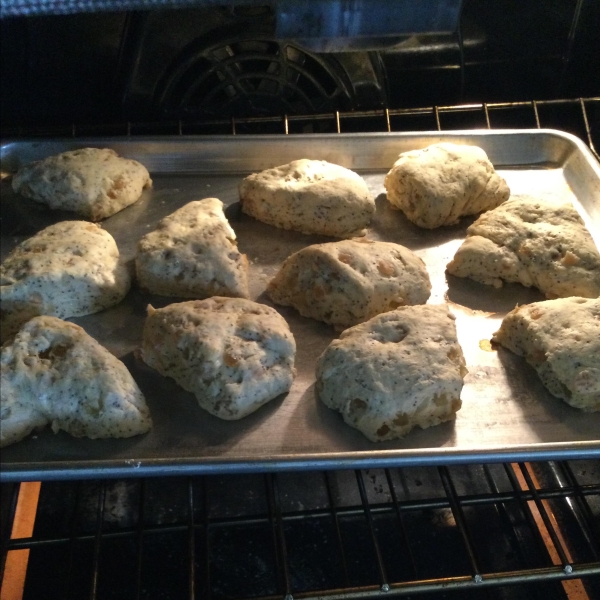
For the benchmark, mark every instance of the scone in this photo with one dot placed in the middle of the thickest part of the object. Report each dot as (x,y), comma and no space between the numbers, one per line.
(93,182)
(439,184)
(534,243)
(193,254)
(69,269)
(233,354)
(54,373)
(310,196)
(400,369)
(347,282)
(560,339)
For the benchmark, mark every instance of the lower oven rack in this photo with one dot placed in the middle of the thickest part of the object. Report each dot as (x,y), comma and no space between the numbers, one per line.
(504,530)
(526,530)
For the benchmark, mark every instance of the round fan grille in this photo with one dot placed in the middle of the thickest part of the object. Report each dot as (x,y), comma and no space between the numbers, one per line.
(253,77)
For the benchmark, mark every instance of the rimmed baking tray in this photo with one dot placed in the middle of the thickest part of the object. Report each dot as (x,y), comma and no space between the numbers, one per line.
(507,414)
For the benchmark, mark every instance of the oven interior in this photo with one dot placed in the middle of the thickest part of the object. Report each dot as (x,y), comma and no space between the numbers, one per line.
(501,531)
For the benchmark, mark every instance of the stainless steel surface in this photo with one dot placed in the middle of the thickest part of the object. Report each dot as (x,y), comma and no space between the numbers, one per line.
(507,414)
(15,8)
(340,25)
(295,18)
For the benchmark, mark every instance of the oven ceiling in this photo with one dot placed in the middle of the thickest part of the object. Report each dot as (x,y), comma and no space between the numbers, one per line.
(328,24)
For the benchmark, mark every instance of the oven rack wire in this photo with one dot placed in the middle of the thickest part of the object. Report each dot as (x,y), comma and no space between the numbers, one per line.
(541,514)
(580,116)
(527,530)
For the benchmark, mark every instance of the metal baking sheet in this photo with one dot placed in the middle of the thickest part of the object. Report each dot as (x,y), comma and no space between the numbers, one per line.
(507,414)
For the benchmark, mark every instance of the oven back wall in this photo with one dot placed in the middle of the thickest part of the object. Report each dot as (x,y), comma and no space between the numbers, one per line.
(60,68)
(156,65)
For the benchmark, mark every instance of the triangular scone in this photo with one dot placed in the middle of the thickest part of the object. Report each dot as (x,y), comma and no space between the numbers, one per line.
(93,182)
(233,354)
(193,254)
(54,373)
(345,283)
(534,243)
(560,339)
(399,370)
(69,269)
(310,196)
(439,184)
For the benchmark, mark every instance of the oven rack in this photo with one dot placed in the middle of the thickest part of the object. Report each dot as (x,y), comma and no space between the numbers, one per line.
(580,116)
(527,530)
(350,534)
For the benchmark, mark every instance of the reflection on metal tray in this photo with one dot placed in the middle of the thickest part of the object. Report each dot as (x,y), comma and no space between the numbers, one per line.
(507,414)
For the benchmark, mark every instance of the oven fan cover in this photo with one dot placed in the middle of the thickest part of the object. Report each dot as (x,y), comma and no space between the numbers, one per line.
(253,77)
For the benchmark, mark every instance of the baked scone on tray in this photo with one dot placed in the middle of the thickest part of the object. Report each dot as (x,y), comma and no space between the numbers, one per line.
(193,254)
(53,373)
(560,339)
(534,243)
(347,282)
(438,185)
(399,370)
(69,269)
(233,354)
(310,196)
(92,182)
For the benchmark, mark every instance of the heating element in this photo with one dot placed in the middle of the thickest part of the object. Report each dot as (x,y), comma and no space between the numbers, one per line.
(527,530)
